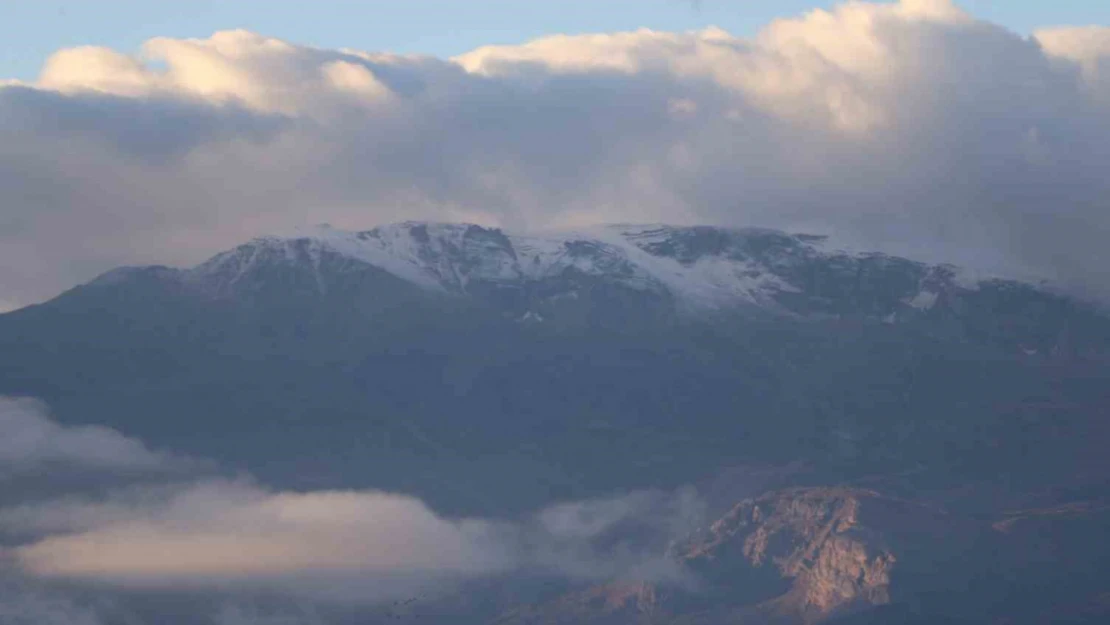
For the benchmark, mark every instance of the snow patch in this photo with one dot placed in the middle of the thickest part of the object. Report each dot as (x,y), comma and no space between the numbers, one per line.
(454,257)
(924,300)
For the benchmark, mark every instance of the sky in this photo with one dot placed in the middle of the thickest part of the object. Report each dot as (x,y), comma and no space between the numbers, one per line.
(973,133)
(32,30)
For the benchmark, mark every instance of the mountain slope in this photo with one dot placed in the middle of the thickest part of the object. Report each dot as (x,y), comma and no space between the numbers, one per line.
(629,356)
(491,374)
(621,275)
(697,267)
(853,555)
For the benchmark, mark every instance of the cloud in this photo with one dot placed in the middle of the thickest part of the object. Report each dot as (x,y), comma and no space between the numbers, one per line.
(233,530)
(622,537)
(236,66)
(910,127)
(30,441)
(176,525)
(351,546)
(1089,47)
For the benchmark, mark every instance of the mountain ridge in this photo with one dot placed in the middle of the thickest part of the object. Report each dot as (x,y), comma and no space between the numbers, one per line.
(696,268)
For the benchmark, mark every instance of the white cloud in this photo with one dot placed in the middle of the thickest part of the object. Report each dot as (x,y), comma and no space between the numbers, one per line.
(264,74)
(910,127)
(31,440)
(176,530)
(1089,47)
(359,546)
(96,69)
(234,530)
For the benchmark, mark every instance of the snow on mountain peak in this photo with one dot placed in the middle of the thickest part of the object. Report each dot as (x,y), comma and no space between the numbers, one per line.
(698,266)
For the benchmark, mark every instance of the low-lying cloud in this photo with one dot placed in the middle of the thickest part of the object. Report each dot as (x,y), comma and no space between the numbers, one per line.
(910,127)
(360,546)
(194,530)
(31,442)
(233,530)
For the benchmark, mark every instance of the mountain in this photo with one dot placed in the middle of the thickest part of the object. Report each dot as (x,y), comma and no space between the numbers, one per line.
(440,359)
(672,270)
(853,555)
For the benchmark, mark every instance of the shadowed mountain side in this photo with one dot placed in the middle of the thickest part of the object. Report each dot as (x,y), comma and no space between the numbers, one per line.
(302,344)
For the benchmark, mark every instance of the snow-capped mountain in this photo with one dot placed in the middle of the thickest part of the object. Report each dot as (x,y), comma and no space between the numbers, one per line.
(691,268)
(624,276)
(487,372)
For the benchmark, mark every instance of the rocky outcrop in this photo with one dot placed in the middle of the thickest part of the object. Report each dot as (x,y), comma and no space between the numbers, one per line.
(793,556)
(812,537)
(804,556)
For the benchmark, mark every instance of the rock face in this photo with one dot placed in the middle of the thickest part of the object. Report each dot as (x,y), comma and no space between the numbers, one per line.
(846,555)
(795,556)
(812,537)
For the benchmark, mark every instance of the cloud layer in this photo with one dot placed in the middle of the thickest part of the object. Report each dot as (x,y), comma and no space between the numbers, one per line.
(190,529)
(353,546)
(911,127)
(31,442)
